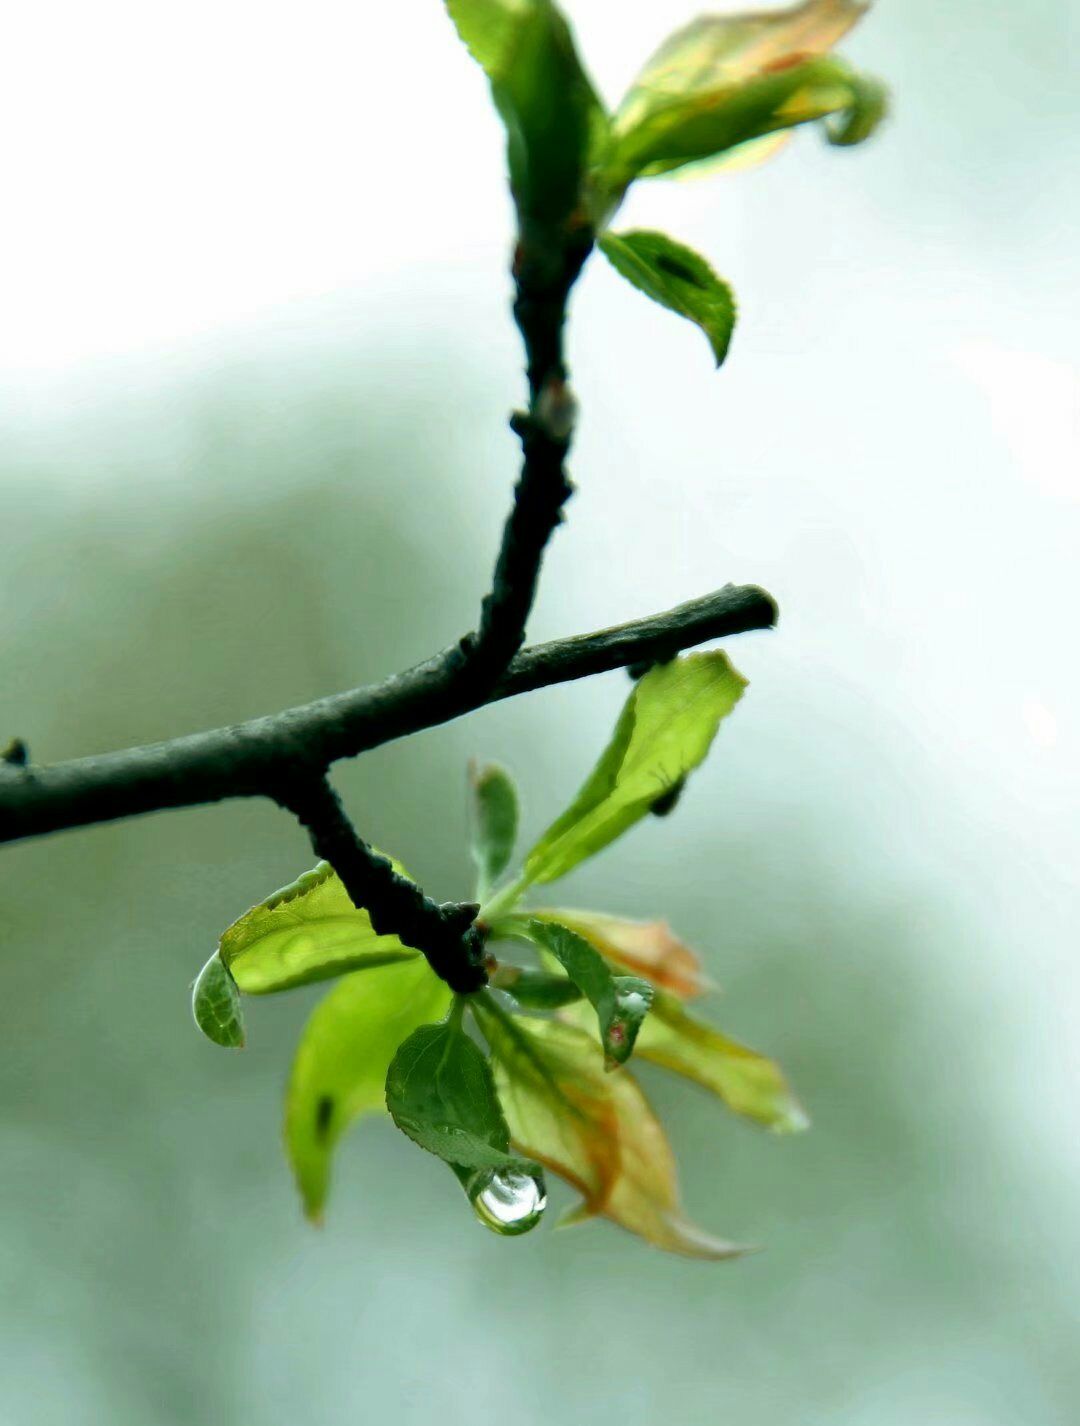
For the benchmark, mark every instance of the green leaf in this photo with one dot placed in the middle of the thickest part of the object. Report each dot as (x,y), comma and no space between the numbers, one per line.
(621,1002)
(678,278)
(726,80)
(594,1129)
(215,1003)
(489,29)
(647,948)
(309,931)
(550,109)
(495,824)
(440,1092)
(339,1072)
(663,733)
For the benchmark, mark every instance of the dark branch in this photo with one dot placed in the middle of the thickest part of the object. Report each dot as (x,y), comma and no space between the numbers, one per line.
(544,274)
(250,759)
(396,905)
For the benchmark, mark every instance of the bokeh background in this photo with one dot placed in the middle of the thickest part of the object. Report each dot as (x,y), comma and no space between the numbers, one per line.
(256,364)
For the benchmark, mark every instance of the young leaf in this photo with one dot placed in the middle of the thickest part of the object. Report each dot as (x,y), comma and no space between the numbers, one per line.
(593,1129)
(621,1002)
(549,107)
(339,1072)
(438,1086)
(678,278)
(647,948)
(749,1084)
(440,1092)
(725,80)
(308,931)
(495,823)
(664,731)
(215,1003)
(488,29)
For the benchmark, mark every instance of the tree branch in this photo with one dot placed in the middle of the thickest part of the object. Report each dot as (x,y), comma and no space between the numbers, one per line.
(544,273)
(250,759)
(397,906)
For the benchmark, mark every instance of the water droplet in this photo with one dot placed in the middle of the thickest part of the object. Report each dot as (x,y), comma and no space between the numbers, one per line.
(510,1203)
(633,1003)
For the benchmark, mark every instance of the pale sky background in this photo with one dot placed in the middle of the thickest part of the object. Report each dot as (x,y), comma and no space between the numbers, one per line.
(893,449)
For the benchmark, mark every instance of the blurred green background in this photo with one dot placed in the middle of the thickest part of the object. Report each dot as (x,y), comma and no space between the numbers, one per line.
(256,365)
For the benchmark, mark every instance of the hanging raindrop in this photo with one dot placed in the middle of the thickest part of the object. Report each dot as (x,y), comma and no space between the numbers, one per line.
(510,1202)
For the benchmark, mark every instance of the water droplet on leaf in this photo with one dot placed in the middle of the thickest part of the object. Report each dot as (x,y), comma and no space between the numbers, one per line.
(632,1002)
(633,998)
(509,1202)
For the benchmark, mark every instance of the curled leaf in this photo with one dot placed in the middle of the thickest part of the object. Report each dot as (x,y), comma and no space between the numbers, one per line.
(867,107)
(647,948)
(678,278)
(215,1003)
(339,1072)
(594,1129)
(308,931)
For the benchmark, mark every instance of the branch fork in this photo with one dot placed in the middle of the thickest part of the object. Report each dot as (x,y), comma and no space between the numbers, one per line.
(286,756)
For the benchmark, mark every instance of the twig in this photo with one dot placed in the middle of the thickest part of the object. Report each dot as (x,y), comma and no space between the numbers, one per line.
(544,273)
(250,759)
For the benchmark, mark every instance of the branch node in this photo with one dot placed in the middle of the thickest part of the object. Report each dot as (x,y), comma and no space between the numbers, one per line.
(397,906)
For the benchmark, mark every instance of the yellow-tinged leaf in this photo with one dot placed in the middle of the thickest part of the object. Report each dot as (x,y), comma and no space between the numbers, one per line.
(724,81)
(648,948)
(750,1084)
(594,1129)
(307,931)
(716,52)
(737,160)
(339,1072)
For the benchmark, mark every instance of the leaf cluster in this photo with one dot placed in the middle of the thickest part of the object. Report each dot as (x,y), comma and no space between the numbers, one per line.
(530,1074)
(723,92)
